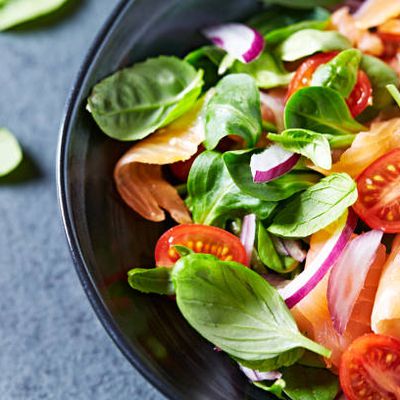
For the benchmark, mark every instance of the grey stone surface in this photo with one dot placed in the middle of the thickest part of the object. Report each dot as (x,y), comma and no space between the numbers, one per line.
(51,344)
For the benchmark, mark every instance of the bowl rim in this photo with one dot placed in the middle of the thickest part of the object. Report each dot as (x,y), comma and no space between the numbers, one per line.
(81,268)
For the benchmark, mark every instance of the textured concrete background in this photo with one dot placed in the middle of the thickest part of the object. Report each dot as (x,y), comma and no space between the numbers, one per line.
(51,344)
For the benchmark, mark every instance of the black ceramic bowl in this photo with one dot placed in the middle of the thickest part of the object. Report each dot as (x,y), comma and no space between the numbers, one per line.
(107,238)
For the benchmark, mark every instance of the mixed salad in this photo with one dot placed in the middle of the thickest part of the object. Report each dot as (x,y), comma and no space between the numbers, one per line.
(276,149)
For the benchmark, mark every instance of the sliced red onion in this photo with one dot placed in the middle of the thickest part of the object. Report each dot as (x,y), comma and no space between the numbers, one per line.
(272,163)
(348,276)
(300,286)
(240,41)
(290,247)
(276,280)
(256,376)
(248,235)
(274,101)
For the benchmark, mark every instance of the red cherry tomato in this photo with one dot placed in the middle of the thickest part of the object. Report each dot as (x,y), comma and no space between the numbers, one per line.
(201,239)
(303,75)
(378,187)
(370,368)
(359,98)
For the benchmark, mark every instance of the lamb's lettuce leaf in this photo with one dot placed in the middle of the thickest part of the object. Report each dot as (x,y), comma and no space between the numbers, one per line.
(151,280)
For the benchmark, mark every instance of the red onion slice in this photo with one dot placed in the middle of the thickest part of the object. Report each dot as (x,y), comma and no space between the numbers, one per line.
(248,235)
(300,286)
(238,40)
(272,163)
(290,247)
(256,376)
(348,276)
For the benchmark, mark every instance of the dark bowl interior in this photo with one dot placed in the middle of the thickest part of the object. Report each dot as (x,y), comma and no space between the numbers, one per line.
(107,238)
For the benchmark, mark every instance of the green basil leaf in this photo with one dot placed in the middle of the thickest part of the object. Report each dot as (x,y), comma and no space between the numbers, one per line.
(380,75)
(340,73)
(309,41)
(236,309)
(208,59)
(312,145)
(305,383)
(269,256)
(16,12)
(315,208)
(320,109)
(214,197)
(238,164)
(153,280)
(234,109)
(267,71)
(136,101)
(303,4)
(394,92)
(182,250)
(10,152)
(275,388)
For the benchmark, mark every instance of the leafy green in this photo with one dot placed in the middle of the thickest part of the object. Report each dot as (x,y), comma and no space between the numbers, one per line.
(380,75)
(394,92)
(153,280)
(10,152)
(275,388)
(208,59)
(305,383)
(312,145)
(278,23)
(238,164)
(16,12)
(182,250)
(316,207)
(268,254)
(237,310)
(320,109)
(340,73)
(267,71)
(303,4)
(136,101)
(309,41)
(234,109)
(213,195)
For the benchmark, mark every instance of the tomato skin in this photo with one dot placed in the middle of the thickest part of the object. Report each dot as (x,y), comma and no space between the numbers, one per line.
(201,239)
(369,368)
(181,169)
(359,98)
(378,203)
(302,77)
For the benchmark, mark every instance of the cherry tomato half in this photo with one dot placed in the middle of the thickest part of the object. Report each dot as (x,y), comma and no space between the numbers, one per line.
(370,368)
(359,98)
(378,203)
(201,239)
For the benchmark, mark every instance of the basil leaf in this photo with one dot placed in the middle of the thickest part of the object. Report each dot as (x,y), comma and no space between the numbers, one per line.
(303,4)
(16,12)
(182,250)
(214,197)
(234,109)
(340,73)
(238,164)
(10,152)
(309,41)
(380,75)
(275,388)
(312,145)
(237,310)
(269,256)
(305,383)
(136,101)
(267,71)
(394,93)
(278,23)
(208,59)
(315,208)
(320,109)
(153,280)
